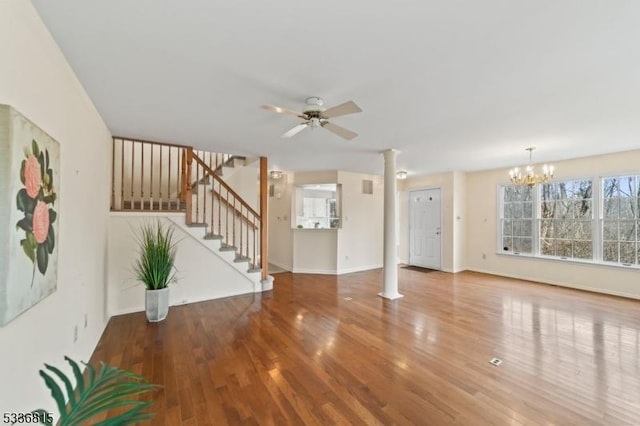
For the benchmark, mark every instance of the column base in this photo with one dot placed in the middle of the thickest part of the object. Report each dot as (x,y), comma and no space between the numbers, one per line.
(391,296)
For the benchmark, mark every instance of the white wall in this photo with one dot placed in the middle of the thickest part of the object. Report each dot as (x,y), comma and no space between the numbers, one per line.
(360,239)
(280,236)
(201,274)
(314,251)
(459,220)
(356,246)
(36,79)
(245,181)
(482,228)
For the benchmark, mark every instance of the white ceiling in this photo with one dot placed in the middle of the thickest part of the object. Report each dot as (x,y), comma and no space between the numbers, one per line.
(452,84)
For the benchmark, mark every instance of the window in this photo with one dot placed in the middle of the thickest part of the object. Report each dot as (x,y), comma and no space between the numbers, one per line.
(564,220)
(566,217)
(517,219)
(620,219)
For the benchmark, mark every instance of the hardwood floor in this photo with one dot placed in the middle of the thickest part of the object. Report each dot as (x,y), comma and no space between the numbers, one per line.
(328,350)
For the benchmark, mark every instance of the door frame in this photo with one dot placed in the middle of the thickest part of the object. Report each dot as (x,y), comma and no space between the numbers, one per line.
(426,188)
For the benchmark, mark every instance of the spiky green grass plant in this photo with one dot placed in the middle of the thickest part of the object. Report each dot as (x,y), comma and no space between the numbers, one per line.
(157,252)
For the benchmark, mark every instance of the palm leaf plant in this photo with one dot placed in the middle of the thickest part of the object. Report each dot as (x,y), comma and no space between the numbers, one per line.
(103,390)
(155,265)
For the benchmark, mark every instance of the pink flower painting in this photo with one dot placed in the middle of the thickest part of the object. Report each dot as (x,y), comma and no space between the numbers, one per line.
(36,201)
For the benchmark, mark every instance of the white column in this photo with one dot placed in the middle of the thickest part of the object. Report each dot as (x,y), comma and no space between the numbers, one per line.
(390,280)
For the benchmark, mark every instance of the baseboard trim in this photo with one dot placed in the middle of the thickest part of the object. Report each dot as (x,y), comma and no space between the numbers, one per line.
(559,284)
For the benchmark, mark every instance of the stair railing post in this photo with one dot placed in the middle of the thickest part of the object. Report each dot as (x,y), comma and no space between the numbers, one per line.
(264,258)
(186,184)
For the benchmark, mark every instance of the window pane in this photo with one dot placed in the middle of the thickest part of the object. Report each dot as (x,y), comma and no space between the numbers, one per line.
(546,247)
(547,209)
(610,187)
(611,208)
(563,229)
(582,209)
(522,245)
(526,228)
(583,249)
(507,244)
(610,230)
(620,224)
(507,227)
(627,231)
(563,248)
(517,210)
(610,251)
(546,228)
(508,210)
(627,208)
(628,253)
(582,231)
(566,212)
(516,232)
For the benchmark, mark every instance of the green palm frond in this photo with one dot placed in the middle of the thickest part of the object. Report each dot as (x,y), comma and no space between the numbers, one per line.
(157,252)
(103,390)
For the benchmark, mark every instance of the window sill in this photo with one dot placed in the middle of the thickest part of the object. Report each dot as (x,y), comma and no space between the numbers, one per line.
(569,260)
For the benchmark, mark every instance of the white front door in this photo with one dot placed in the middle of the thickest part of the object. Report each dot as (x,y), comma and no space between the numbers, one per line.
(424,228)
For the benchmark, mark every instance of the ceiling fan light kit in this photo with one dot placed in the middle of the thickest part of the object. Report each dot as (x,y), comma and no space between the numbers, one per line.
(316,115)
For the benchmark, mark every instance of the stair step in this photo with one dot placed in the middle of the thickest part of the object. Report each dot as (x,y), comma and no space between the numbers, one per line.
(197,225)
(240,259)
(228,248)
(229,163)
(211,236)
(254,268)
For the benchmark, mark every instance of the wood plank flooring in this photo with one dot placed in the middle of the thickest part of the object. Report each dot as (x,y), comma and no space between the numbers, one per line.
(327,350)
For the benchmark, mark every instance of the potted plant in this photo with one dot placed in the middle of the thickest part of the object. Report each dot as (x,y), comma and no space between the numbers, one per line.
(155,267)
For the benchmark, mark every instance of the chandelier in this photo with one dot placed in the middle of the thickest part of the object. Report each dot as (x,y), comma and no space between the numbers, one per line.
(530,177)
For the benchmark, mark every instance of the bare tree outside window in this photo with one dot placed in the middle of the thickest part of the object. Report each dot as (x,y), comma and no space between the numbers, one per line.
(566,215)
(620,219)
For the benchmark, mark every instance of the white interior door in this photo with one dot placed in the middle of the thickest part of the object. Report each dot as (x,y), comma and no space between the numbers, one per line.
(425,236)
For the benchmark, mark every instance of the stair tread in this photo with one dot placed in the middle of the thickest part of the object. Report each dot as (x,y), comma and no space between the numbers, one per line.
(211,236)
(197,225)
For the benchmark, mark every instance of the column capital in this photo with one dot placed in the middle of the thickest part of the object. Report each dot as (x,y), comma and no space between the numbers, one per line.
(389,151)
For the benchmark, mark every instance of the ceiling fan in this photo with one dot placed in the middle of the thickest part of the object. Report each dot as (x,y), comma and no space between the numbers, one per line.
(316,115)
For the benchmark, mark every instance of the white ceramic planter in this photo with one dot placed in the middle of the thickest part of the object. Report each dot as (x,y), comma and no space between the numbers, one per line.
(157,304)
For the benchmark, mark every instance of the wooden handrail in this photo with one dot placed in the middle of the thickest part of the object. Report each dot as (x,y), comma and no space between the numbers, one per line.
(174,145)
(225,186)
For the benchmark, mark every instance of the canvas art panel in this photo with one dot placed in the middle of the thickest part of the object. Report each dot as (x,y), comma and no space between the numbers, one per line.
(29,188)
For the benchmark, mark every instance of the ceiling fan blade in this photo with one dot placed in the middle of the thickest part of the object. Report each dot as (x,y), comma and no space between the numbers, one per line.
(281,110)
(340,131)
(348,107)
(300,127)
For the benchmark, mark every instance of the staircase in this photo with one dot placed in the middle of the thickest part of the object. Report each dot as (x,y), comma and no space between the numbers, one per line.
(156,177)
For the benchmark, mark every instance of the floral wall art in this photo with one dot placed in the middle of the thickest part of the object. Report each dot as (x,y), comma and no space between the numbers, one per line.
(29,187)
